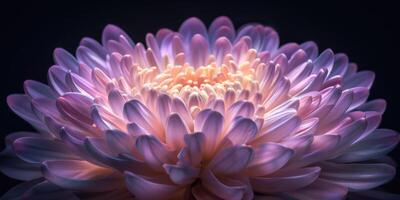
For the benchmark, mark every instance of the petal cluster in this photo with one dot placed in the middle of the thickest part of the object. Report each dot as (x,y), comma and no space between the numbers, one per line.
(201,113)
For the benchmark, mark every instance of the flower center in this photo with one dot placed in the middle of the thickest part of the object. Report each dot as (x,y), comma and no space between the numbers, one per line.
(211,79)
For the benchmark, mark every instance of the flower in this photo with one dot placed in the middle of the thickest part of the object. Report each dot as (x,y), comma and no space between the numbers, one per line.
(203,114)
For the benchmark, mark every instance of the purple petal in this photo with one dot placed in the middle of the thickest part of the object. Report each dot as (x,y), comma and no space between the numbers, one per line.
(221,26)
(268,158)
(80,175)
(241,108)
(101,154)
(377,144)
(192,26)
(57,76)
(37,150)
(360,79)
(36,89)
(377,105)
(310,48)
(320,189)
(175,130)
(357,176)
(116,101)
(12,166)
(89,57)
(94,46)
(195,143)
(198,50)
(231,160)
(22,106)
(340,65)
(285,180)
(112,32)
(218,188)
(154,152)
(64,59)
(163,107)
(149,189)
(324,60)
(135,111)
(119,142)
(222,47)
(211,128)
(181,175)
(241,131)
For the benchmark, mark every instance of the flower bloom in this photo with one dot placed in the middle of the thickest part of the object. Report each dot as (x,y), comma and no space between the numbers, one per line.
(199,114)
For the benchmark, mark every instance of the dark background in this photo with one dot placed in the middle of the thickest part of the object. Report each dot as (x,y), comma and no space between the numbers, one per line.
(366,32)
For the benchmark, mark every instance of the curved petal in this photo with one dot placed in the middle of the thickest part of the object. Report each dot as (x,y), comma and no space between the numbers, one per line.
(154,152)
(242,130)
(144,188)
(192,26)
(80,175)
(268,158)
(14,167)
(64,59)
(320,189)
(220,189)
(378,143)
(357,176)
(285,180)
(231,160)
(37,150)
(211,126)
(181,175)
(175,131)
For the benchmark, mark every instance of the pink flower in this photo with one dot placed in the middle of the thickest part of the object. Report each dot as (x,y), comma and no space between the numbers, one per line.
(199,113)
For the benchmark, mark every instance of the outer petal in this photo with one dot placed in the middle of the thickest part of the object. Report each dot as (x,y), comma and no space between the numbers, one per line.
(285,181)
(80,175)
(268,158)
(377,144)
(144,188)
(218,188)
(320,189)
(358,176)
(242,130)
(231,160)
(175,131)
(37,150)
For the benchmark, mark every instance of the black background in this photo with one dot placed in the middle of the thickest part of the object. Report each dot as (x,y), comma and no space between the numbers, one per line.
(366,32)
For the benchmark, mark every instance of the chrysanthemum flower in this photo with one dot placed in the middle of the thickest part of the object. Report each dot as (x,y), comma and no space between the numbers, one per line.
(199,114)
